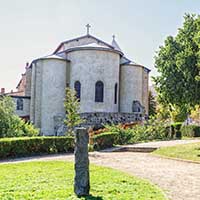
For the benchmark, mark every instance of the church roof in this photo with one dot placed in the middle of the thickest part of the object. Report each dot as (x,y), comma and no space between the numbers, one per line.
(93,45)
(130,62)
(82,37)
(53,56)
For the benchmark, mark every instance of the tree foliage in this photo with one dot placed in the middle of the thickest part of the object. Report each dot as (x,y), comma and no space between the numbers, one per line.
(72,107)
(152,104)
(10,124)
(178,64)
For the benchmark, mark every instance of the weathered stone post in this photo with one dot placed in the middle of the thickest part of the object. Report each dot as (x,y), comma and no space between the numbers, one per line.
(82,180)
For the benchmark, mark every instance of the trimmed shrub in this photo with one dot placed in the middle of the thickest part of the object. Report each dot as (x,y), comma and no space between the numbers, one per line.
(123,136)
(190,130)
(27,146)
(104,140)
(176,130)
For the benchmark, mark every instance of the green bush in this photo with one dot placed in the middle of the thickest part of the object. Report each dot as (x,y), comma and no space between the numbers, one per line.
(27,146)
(190,130)
(152,130)
(19,128)
(176,130)
(123,136)
(10,124)
(104,140)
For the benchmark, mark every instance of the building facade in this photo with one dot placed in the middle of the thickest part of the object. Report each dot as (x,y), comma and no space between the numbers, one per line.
(108,84)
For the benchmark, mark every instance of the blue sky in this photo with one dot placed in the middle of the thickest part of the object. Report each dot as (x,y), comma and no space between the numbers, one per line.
(32,28)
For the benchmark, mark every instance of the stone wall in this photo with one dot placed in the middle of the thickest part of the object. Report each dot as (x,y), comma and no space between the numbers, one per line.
(146,90)
(101,118)
(28,82)
(49,81)
(131,85)
(97,120)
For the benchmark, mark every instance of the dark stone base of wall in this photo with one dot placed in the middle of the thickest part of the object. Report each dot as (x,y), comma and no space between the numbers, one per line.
(98,120)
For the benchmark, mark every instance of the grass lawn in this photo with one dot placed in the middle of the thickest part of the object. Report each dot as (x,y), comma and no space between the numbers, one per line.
(54,180)
(185,151)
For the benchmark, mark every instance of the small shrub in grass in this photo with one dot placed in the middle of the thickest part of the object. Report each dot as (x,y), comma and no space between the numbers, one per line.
(104,140)
(190,130)
(26,146)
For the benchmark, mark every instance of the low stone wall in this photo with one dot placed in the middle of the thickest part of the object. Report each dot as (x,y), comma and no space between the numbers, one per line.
(97,120)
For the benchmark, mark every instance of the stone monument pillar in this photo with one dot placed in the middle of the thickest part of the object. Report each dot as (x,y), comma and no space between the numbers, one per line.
(82,180)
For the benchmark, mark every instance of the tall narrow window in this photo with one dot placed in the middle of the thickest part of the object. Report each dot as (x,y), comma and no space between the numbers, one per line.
(77,87)
(99,91)
(20,104)
(115,101)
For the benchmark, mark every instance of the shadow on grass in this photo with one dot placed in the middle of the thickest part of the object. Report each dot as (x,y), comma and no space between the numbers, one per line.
(91,197)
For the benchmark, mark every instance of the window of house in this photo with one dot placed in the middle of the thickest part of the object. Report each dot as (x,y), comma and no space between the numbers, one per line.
(20,104)
(99,90)
(77,87)
(115,100)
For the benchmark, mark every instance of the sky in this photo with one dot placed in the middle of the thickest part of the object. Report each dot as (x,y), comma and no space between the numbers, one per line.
(30,29)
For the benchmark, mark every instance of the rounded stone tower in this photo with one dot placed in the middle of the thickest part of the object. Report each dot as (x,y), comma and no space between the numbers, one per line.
(95,68)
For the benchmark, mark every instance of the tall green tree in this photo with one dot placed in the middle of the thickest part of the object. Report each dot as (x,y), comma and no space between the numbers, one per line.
(72,106)
(177,62)
(152,104)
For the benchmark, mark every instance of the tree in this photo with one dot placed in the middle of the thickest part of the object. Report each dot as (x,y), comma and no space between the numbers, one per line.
(152,104)
(72,107)
(178,64)
(6,113)
(10,124)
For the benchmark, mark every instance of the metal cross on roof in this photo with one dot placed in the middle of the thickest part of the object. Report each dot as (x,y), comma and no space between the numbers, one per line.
(88,28)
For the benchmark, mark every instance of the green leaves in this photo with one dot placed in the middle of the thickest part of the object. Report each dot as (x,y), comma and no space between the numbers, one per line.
(72,107)
(178,64)
(152,104)
(10,124)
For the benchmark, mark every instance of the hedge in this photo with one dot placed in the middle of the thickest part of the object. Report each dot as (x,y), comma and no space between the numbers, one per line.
(27,146)
(104,140)
(190,130)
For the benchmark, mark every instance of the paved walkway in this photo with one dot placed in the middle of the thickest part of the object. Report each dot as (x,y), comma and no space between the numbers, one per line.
(179,180)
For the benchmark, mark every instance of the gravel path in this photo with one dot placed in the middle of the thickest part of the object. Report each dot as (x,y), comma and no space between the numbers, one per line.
(179,180)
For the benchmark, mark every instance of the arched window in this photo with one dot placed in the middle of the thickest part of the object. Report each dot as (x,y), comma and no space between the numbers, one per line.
(115,100)
(77,87)
(20,104)
(99,91)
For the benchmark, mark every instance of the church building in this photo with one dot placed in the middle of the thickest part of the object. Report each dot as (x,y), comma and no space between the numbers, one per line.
(110,86)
